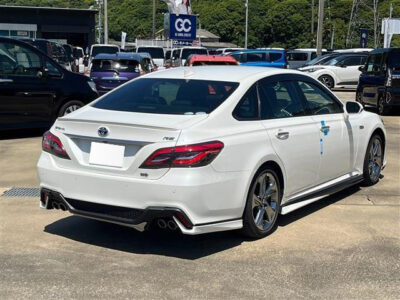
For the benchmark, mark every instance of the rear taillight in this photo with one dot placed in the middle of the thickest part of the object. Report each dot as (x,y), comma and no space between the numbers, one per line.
(53,145)
(190,156)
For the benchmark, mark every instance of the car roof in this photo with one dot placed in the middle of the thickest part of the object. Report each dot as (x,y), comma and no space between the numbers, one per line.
(121,55)
(150,47)
(199,57)
(257,51)
(383,50)
(104,45)
(221,73)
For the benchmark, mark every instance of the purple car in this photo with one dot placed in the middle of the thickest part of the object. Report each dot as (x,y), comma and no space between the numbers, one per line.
(109,71)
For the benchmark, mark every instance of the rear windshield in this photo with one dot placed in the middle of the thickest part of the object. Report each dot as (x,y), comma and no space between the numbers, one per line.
(297,56)
(187,52)
(104,49)
(108,65)
(78,53)
(168,96)
(154,52)
(394,60)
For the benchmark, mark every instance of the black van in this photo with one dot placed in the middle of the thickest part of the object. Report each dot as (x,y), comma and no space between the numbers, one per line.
(35,89)
(379,83)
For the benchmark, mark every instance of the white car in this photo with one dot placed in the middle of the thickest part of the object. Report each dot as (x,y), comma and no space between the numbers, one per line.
(208,149)
(340,71)
(156,53)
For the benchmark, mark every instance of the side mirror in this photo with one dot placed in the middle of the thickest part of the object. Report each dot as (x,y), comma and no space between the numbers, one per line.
(353,107)
(361,68)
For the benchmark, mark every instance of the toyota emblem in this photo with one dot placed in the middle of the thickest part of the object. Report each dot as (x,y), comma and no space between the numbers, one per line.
(102,131)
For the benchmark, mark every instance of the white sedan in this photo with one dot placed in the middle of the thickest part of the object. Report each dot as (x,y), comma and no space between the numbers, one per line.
(340,71)
(209,149)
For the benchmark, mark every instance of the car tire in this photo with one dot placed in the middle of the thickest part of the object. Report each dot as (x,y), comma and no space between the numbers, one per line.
(380,106)
(327,81)
(359,98)
(373,161)
(69,107)
(262,205)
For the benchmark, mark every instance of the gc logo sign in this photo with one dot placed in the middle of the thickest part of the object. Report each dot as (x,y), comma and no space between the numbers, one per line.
(183,25)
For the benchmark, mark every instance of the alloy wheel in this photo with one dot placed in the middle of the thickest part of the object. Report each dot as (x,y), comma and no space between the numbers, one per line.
(71,109)
(265,201)
(327,81)
(375,159)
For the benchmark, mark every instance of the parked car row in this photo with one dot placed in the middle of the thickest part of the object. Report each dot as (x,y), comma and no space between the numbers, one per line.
(35,89)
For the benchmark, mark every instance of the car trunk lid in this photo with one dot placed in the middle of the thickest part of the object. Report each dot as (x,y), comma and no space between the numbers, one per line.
(114,142)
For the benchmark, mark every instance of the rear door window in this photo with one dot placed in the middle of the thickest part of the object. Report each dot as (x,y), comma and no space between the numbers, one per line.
(255,57)
(168,96)
(275,56)
(279,100)
(352,61)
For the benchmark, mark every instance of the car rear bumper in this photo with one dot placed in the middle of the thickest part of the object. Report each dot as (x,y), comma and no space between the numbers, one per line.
(210,200)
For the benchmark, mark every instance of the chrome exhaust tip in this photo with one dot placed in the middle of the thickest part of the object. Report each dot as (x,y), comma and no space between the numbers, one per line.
(172,225)
(161,223)
(62,206)
(55,205)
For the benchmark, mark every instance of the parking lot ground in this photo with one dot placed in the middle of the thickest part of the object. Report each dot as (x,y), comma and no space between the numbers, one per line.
(345,246)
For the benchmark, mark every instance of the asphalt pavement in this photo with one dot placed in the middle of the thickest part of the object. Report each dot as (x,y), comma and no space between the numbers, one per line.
(346,246)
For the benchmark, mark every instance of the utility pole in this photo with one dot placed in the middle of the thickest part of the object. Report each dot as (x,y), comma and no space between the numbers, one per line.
(154,19)
(105,22)
(390,10)
(99,23)
(312,18)
(320,26)
(247,24)
(376,24)
(332,37)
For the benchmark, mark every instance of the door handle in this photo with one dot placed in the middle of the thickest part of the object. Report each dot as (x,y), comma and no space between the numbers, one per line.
(283,135)
(325,128)
(2,80)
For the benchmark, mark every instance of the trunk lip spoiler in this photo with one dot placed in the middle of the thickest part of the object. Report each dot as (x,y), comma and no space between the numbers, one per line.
(105,139)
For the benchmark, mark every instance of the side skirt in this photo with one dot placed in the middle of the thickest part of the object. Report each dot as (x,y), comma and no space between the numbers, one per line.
(312,196)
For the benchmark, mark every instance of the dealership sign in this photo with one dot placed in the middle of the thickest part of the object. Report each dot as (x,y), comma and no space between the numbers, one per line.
(180,27)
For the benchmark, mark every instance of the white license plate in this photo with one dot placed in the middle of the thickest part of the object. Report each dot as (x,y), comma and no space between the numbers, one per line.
(106,155)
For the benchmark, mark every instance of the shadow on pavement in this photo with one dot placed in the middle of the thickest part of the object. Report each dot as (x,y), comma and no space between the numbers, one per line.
(316,206)
(166,243)
(154,242)
(21,133)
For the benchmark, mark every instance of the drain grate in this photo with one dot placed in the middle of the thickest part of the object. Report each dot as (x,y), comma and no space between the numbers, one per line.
(22,192)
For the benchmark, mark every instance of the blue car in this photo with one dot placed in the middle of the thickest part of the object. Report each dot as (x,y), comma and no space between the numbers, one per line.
(261,58)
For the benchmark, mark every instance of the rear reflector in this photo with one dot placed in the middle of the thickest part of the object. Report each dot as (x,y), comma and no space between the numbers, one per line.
(53,145)
(196,155)
(184,220)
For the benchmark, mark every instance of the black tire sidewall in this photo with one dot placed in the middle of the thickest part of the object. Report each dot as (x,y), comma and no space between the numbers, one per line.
(249,228)
(384,108)
(63,108)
